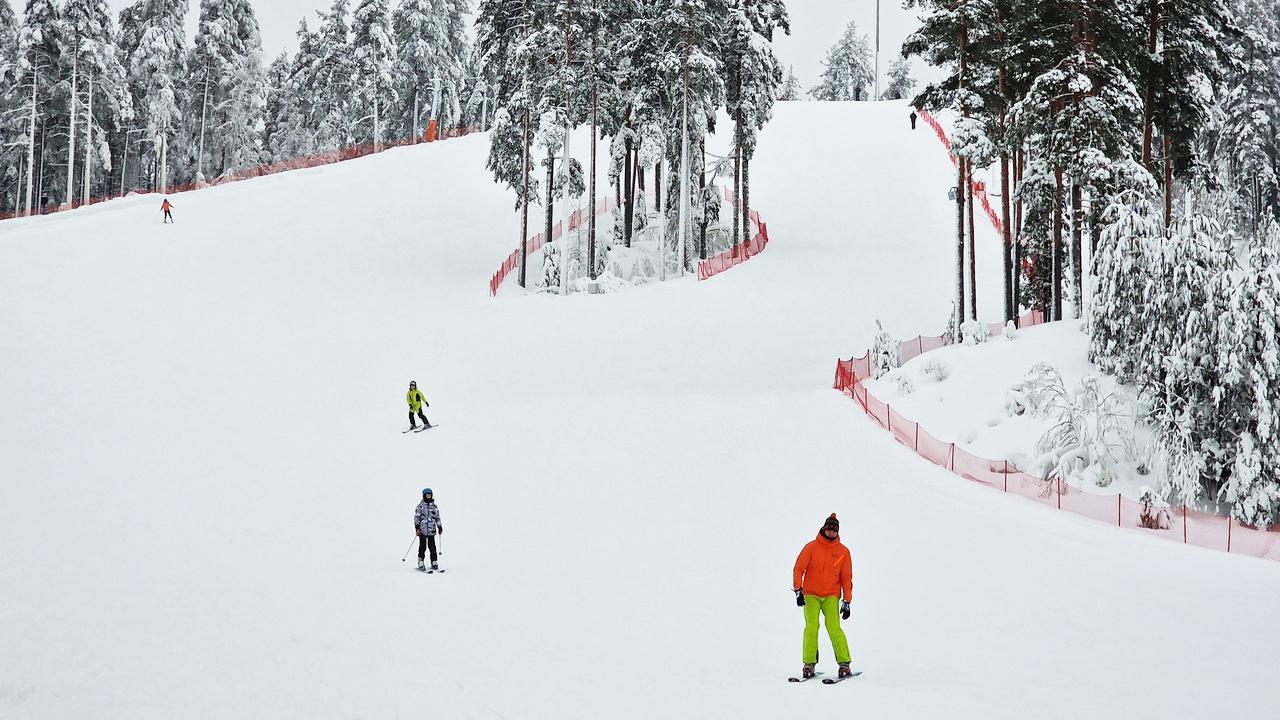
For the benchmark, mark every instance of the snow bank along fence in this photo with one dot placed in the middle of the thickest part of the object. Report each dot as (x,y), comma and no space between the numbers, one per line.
(739,253)
(708,268)
(979,190)
(298,163)
(1181,524)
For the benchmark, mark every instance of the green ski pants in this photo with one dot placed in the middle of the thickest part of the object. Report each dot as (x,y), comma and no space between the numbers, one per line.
(829,608)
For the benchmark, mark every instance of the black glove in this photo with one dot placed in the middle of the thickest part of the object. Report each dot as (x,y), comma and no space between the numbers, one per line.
(844,610)
(439,529)
(799,597)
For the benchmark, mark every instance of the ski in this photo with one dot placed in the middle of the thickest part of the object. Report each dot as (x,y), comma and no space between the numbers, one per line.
(802,679)
(833,681)
(427,428)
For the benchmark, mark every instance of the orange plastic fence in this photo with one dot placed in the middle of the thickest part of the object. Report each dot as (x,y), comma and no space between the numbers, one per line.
(739,253)
(298,163)
(708,268)
(1181,523)
(535,243)
(979,190)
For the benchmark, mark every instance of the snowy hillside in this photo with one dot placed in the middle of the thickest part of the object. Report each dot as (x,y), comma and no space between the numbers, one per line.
(206,493)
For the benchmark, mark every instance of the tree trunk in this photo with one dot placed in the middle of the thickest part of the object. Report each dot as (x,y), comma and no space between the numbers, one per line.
(959,237)
(31,143)
(737,181)
(1056,260)
(88,146)
(1168,179)
(1149,99)
(70,197)
(1077,253)
(1010,301)
(702,188)
(551,197)
(524,207)
(973,251)
(1017,241)
(657,187)
(628,191)
(591,210)
(746,198)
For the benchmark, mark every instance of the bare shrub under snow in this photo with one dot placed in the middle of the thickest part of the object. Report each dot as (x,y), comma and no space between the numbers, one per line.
(885,353)
(905,386)
(1090,434)
(975,332)
(1155,510)
(935,369)
(1010,331)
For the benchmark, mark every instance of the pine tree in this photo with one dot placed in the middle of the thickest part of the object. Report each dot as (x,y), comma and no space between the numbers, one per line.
(156,66)
(41,51)
(900,81)
(330,81)
(791,89)
(374,57)
(104,104)
(11,140)
(847,69)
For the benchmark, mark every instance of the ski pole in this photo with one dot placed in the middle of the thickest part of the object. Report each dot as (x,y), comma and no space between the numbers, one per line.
(411,544)
(440,544)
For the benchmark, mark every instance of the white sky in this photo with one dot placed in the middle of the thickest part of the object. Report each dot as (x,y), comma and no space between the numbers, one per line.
(816,24)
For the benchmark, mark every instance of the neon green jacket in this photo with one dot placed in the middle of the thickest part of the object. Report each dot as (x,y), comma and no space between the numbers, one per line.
(415,400)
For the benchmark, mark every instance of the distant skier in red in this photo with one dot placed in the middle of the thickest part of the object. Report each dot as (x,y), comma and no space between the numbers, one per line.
(167,208)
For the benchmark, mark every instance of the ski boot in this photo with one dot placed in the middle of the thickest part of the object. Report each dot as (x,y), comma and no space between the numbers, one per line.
(845,672)
(434,566)
(807,671)
(421,565)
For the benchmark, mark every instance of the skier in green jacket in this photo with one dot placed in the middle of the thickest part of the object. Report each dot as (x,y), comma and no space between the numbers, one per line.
(416,401)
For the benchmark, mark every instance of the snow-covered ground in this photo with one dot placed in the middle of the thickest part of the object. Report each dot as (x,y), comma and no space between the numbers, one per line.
(970,405)
(205,493)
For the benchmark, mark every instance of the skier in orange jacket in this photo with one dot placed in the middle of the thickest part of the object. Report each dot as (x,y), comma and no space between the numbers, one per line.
(822,576)
(166,207)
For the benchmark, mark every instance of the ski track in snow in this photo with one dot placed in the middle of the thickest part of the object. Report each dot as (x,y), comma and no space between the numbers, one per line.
(204,492)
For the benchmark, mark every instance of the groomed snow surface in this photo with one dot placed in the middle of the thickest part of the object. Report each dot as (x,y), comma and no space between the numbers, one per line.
(205,494)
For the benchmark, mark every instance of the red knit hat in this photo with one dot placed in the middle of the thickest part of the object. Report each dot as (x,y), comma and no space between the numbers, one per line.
(832,522)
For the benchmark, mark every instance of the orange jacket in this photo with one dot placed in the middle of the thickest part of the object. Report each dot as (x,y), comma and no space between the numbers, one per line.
(165,205)
(824,568)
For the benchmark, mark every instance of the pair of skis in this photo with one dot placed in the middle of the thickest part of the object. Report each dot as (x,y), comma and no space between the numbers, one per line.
(825,681)
(419,429)
(429,571)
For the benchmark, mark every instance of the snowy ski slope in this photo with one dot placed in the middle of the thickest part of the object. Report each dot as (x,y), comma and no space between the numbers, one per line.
(204,493)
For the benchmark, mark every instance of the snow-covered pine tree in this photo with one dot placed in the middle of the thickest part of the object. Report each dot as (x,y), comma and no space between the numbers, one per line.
(11,145)
(848,69)
(331,81)
(156,67)
(901,84)
(277,107)
(791,89)
(1245,139)
(1133,229)
(751,83)
(1176,364)
(373,81)
(503,29)
(1248,395)
(426,71)
(299,98)
(41,50)
(104,104)
(227,90)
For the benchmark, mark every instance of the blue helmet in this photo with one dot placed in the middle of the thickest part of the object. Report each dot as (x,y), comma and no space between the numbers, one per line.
(427,491)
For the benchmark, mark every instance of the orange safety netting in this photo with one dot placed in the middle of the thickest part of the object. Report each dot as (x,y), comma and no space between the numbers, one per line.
(979,190)
(535,243)
(1181,523)
(298,163)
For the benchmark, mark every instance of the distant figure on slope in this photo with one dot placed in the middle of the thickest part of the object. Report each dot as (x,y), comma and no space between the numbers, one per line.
(416,401)
(167,208)
(426,522)
(822,575)
(913,119)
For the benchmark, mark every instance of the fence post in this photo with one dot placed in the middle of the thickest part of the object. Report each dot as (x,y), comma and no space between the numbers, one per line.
(1119,509)
(1006,476)
(888,418)
(1184,524)
(1059,493)
(1228,533)
(917,445)
(951,459)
